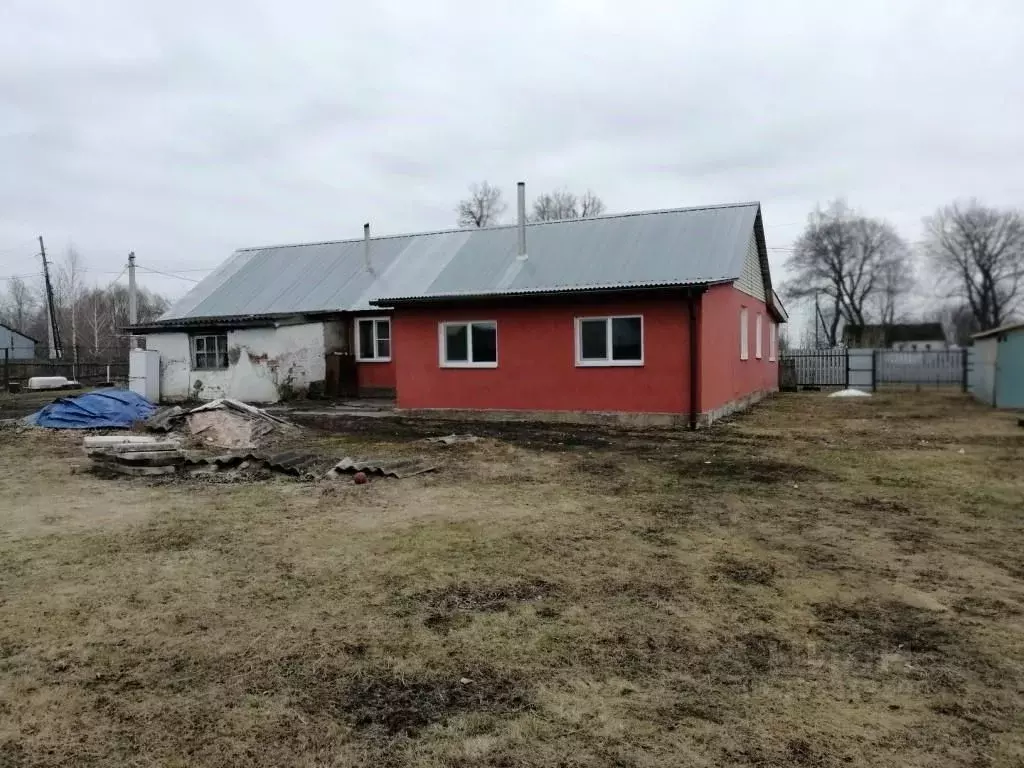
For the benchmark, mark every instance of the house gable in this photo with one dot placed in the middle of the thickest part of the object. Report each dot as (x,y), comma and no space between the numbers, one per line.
(751,280)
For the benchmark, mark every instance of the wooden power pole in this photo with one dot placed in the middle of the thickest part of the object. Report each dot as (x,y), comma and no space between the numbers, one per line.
(53,330)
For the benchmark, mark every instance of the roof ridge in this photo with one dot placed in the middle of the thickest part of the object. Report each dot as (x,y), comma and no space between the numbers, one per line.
(453,230)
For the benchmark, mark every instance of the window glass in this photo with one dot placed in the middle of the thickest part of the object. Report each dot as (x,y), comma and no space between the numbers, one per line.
(594,339)
(365,338)
(456,348)
(209,352)
(485,342)
(744,332)
(627,343)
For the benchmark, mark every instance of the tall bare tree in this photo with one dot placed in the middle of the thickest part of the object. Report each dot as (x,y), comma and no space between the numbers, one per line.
(552,206)
(484,206)
(591,205)
(979,253)
(69,290)
(563,204)
(20,303)
(853,262)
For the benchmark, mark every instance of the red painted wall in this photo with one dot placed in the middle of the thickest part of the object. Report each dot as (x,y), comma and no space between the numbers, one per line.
(724,376)
(376,375)
(537,360)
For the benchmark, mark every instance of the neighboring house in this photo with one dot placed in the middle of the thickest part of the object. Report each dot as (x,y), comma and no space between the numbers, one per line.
(18,346)
(904,337)
(999,366)
(667,313)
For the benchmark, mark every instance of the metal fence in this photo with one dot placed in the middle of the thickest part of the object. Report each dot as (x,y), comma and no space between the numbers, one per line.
(872,368)
(15,372)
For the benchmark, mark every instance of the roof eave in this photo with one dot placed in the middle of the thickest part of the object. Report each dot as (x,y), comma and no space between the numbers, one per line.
(406,301)
(267,320)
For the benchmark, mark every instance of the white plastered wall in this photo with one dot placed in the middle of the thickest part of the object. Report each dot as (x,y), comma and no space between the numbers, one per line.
(264,364)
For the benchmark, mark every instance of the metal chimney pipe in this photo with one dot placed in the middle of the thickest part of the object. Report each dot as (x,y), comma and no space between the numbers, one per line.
(366,247)
(521,205)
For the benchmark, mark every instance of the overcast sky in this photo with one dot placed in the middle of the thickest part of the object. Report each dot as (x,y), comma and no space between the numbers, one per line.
(184,130)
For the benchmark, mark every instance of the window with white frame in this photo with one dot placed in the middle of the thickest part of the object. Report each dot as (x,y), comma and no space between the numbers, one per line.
(373,339)
(773,341)
(757,341)
(210,352)
(744,334)
(610,340)
(472,344)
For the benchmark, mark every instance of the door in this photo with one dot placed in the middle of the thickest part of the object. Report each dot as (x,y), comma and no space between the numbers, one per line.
(341,376)
(1010,370)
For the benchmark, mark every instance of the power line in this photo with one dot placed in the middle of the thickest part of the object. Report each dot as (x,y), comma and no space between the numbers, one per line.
(167,274)
(111,283)
(196,269)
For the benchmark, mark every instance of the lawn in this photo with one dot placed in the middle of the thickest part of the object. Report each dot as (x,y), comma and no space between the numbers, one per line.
(816,583)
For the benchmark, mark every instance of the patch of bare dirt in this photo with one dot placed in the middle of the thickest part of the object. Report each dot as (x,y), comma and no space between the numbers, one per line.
(485,599)
(395,704)
(867,628)
(746,571)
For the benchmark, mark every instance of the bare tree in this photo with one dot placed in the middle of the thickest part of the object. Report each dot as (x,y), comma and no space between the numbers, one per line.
(591,205)
(552,206)
(958,323)
(563,204)
(69,291)
(852,261)
(979,253)
(484,206)
(96,318)
(20,303)
(896,281)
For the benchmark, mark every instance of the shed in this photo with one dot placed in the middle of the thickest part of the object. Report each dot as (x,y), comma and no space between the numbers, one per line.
(16,345)
(999,366)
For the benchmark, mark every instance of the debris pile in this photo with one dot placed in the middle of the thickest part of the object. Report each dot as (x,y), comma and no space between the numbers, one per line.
(182,439)
(452,439)
(223,423)
(398,468)
(145,455)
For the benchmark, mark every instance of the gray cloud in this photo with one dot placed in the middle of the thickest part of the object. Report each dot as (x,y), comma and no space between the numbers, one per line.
(184,130)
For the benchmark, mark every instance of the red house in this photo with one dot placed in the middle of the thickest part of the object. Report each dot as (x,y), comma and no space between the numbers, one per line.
(660,317)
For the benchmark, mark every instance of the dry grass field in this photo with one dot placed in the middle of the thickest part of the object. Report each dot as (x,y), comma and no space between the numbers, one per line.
(817,583)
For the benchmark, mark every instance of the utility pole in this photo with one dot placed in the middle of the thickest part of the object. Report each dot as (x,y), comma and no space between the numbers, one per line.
(53,332)
(133,301)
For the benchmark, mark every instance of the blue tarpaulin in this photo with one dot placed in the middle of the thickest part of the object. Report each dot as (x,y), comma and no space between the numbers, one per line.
(103,409)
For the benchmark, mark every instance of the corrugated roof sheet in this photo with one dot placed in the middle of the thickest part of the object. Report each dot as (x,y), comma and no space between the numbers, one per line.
(1009,328)
(671,247)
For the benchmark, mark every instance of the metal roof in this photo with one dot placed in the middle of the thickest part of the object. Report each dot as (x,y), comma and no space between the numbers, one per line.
(682,246)
(1008,328)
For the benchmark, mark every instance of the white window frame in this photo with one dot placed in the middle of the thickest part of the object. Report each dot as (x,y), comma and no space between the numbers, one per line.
(607,362)
(758,346)
(361,357)
(442,349)
(744,334)
(773,341)
(216,352)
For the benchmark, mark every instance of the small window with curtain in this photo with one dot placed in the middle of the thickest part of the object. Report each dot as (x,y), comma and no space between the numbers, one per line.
(471,344)
(744,335)
(373,339)
(773,341)
(604,341)
(210,352)
(759,330)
